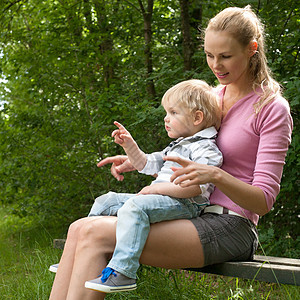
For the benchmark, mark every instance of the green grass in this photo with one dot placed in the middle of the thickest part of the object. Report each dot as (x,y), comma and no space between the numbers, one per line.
(26,253)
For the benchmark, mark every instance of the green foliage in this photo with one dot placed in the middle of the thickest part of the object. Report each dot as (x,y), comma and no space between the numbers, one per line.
(283,54)
(271,245)
(73,67)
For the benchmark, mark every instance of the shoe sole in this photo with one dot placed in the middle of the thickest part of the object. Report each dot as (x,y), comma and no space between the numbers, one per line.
(52,269)
(109,289)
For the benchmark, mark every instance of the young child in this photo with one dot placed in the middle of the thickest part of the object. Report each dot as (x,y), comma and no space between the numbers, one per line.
(192,116)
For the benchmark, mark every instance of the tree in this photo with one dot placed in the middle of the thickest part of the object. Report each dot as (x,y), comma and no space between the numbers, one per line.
(189,21)
(147,16)
(73,67)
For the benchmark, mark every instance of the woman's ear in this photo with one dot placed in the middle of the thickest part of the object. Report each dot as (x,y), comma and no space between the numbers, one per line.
(198,117)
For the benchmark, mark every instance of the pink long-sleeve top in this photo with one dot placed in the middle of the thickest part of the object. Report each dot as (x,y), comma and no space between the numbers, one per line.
(254,148)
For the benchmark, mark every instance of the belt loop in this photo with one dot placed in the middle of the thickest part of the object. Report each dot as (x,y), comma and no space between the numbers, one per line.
(225,210)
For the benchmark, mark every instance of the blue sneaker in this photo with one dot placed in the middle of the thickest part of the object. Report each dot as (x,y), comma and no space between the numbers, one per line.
(111,281)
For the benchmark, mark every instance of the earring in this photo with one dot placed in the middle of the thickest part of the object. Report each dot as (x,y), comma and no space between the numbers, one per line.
(254,46)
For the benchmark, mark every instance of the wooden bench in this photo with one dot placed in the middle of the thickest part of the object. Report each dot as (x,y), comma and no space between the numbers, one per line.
(262,268)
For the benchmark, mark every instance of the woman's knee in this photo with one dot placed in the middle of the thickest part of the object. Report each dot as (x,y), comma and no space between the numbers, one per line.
(98,232)
(76,226)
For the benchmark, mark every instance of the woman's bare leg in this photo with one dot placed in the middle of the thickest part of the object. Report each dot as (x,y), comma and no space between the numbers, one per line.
(63,276)
(171,244)
(95,245)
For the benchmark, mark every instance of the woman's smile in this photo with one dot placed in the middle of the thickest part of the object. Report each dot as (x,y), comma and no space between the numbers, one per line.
(222,75)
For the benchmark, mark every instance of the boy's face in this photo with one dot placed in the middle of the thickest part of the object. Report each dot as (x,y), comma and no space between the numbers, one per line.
(179,120)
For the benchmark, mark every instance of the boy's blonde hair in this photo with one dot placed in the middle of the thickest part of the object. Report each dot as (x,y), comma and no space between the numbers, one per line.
(196,95)
(245,27)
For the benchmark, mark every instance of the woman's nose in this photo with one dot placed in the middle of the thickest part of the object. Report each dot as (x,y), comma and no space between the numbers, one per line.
(216,63)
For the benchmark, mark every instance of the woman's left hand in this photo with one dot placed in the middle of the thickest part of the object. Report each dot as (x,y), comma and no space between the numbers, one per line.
(191,172)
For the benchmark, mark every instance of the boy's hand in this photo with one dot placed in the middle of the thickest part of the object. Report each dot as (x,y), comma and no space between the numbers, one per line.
(161,188)
(150,189)
(137,157)
(122,136)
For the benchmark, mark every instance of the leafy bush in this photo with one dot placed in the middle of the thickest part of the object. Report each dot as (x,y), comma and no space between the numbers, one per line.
(72,68)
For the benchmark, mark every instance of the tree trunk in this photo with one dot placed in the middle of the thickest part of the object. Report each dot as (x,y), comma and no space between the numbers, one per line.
(187,46)
(147,15)
(191,19)
(106,44)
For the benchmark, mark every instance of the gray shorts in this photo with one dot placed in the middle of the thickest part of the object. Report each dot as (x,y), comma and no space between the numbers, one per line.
(226,238)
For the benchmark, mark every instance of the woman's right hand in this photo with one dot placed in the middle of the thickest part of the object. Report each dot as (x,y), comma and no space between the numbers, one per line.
(191,173)
(120,164)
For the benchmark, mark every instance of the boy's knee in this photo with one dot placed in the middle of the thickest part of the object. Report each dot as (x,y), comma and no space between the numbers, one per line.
(133,205)
(104,197)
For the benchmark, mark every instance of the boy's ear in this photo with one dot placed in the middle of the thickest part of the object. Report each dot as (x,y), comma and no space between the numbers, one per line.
(198,117)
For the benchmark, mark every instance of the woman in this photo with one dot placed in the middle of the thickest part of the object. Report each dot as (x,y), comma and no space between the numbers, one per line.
(254,137)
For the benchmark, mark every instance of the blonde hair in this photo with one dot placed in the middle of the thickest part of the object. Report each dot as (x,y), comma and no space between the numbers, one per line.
(196,95)
(245,27)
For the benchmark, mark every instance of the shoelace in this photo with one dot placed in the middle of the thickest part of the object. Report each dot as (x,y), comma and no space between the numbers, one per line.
(106,273)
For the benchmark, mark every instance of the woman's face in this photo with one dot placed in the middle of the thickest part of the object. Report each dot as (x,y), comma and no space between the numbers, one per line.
(226,57)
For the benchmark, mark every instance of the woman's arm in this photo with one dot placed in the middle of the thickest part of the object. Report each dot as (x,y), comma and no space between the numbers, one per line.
(247,196)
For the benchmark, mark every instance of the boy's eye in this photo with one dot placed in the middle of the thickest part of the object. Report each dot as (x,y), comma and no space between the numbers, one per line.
(173,112)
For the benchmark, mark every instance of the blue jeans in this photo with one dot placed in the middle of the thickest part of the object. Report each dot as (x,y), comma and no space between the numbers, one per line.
(135,213)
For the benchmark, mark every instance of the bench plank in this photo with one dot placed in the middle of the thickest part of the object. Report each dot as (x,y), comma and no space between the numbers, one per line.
(278,260)
(262,268)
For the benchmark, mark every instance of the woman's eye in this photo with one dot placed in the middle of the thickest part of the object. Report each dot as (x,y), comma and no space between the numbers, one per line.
(226,56)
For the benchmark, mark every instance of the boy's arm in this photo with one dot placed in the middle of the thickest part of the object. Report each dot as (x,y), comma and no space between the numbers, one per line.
(172,190)
(123,137)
